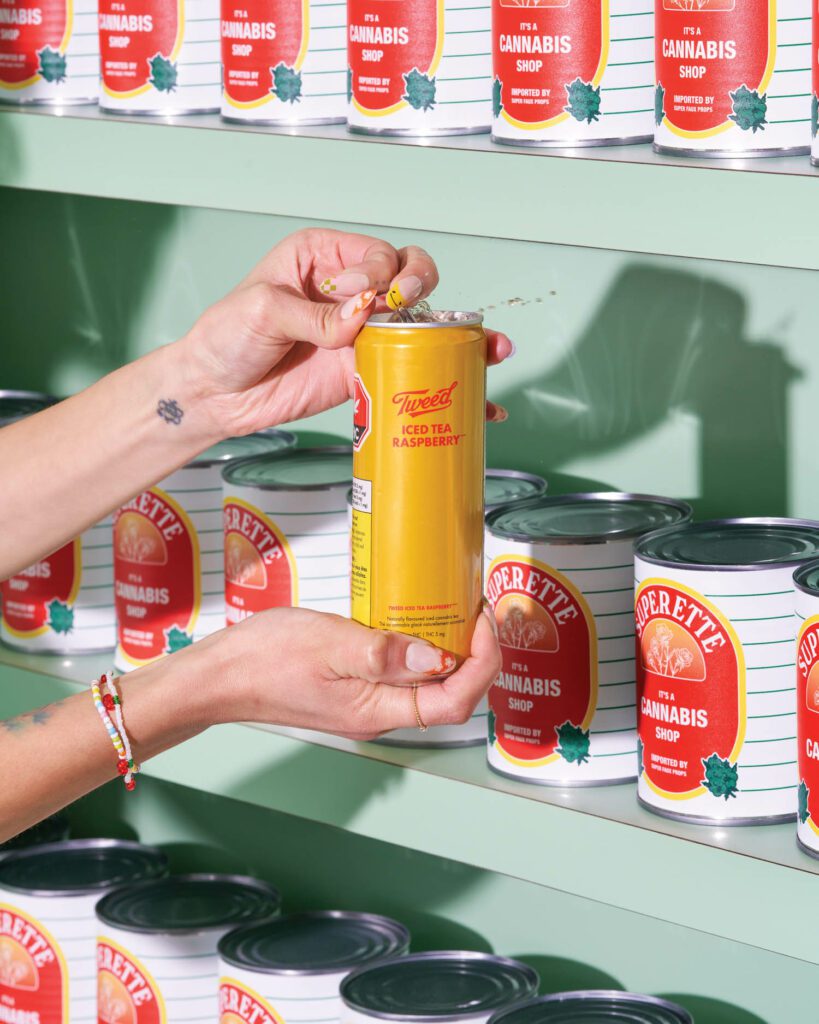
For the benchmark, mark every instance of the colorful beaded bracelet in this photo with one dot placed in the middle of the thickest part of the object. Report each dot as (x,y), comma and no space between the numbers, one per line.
(110,702)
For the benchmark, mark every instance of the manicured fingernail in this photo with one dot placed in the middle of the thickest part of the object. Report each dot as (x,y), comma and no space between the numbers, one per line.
(428,661)
(357,304)
(513,348)
(404,292)
(499,413)
(345,284)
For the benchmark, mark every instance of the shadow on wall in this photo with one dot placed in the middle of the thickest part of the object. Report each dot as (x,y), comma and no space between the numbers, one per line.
(714,1011)
(664,341)
(10,160)
(558,974)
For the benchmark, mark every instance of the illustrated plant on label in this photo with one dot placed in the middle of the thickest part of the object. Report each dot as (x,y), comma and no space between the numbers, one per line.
(176,639)
(803,795)
(52,64)
(583,101)
(659,104)
(163,73)
(814,115)
(60,616)
(573,743)
(497,97)
(749,109)
(720,776)
(420,90)
(286,83)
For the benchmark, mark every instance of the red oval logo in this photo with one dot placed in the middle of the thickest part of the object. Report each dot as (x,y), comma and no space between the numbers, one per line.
(263,48)
(33,39)
(139,43)
(41,598)
(240,1005)
(807,706)
(260,571)
(33,973)
(126,992)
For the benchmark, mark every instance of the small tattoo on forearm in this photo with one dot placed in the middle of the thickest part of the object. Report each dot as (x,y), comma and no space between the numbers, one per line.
(169,410)
(21,722)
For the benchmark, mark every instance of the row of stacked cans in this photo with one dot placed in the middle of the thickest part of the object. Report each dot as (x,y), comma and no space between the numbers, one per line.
(728,80)
(97,931)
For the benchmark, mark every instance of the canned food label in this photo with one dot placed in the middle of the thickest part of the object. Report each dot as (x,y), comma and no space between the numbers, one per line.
(807,696)
(544,699)
(33,972)
(34,35)
(394,48)
(263,48)
(240,1005)
(41,599)
(690,692)
(126,992)
(549,59)
(157,588)
(260,571)
(139,44)
(362,413)
(714,61)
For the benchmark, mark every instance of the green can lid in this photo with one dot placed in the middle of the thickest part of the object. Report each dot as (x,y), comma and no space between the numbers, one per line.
(432,987)
(806,578)
(594,1007)
(53,829)
(78,867)
(732,544)
(306,469)
(586,518)
(264,442)
(189,903)
(324,942)
(503,486)
(14,405)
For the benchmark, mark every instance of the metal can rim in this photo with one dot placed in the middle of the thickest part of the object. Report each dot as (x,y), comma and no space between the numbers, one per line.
(682,1015)
(515,474)
(21,393)
(603,538)
(472,320)
(202,463)
(803,570)
(330,449)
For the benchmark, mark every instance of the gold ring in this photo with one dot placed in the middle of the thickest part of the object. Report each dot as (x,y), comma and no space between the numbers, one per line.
(418,719)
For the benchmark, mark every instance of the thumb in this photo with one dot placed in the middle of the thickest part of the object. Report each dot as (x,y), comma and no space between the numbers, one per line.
(384,657)
(286,314)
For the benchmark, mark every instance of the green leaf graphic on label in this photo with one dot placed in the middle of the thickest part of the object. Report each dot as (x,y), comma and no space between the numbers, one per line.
(573,743)
(163,73)
(720,776)
(52,64)
(60,616)
(497,97)
(420,92)
(176,639)
(640,765)
(814,115)
(583,101)
(803,793)
(659,105)
(349,85)
(749,109)
(490,721)
(286,83)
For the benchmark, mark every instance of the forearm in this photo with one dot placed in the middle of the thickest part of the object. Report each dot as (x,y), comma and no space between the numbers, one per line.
(74,463)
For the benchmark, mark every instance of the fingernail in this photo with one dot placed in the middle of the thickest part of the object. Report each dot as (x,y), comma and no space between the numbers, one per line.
(493,622)
(499,414)
(357,304)
(514,349)
(404,292)
(428,661)
(345,284)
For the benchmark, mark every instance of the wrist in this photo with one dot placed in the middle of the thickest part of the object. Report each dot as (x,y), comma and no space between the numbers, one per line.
(180,388)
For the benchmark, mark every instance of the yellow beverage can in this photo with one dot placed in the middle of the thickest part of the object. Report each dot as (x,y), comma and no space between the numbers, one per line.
(418,477)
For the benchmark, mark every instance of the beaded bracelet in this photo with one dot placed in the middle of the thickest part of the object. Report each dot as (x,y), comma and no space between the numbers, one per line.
(110,702)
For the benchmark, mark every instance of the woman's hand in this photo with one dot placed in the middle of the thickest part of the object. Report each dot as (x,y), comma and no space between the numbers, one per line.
(278,348)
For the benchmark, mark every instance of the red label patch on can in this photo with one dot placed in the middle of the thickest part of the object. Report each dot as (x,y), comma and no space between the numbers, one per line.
(393,49)
(544,700)
(713,62)
(41,598)
(807,704)
(126,992)
(260,571)
(34,35)
(33,973)
(263,48)
(139,44)
(690,693)
(548,58)
(239,1005)
(362,411)
(157,588)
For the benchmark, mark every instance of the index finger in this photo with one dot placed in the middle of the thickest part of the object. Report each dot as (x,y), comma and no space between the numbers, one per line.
(416,278)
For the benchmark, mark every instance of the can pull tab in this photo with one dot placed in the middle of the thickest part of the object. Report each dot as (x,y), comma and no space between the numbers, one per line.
(420,313)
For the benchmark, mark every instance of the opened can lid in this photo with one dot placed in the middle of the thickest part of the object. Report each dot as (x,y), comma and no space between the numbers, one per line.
(264,442)
(503,486)
(732,544)
(324,942)
(594,1007)
(431,987)
(586,518)
(189,903)
(433,318)
(14,405)
(806,578)
(78,867)
(305,469)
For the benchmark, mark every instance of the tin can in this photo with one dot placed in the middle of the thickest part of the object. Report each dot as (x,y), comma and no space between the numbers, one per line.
(156,948)
(595,1006)
(48,931)
(159,58)
(169,555)
(419,68)
(286,534)
(290,969)
(715,671)
(418,467)
(63,604)
(560,578)
(284,63)
(806,608)
(505,486)
(450,986)
(48,52)
(814,99)
(573,73)
(732,79)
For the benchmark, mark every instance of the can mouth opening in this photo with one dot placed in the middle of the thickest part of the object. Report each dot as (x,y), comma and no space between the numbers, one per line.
(428,318)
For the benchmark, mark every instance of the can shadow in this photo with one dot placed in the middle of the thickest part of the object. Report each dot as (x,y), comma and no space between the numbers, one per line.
(10,159)
(714,1011)
(559,974)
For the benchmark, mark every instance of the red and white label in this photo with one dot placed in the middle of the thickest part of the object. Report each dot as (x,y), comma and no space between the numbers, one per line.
(156,576)
(27,596)
(807,707)
(690,687)
(29,31)
(126,993)
(239,1005)
(704,51)
(362,413)
(259,569)
(33,975)
(539,50)
(387,40)
(549,649)
(257,37)
(133,33)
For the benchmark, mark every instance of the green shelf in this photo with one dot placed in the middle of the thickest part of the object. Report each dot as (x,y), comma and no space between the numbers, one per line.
(623,198)
(592,843)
